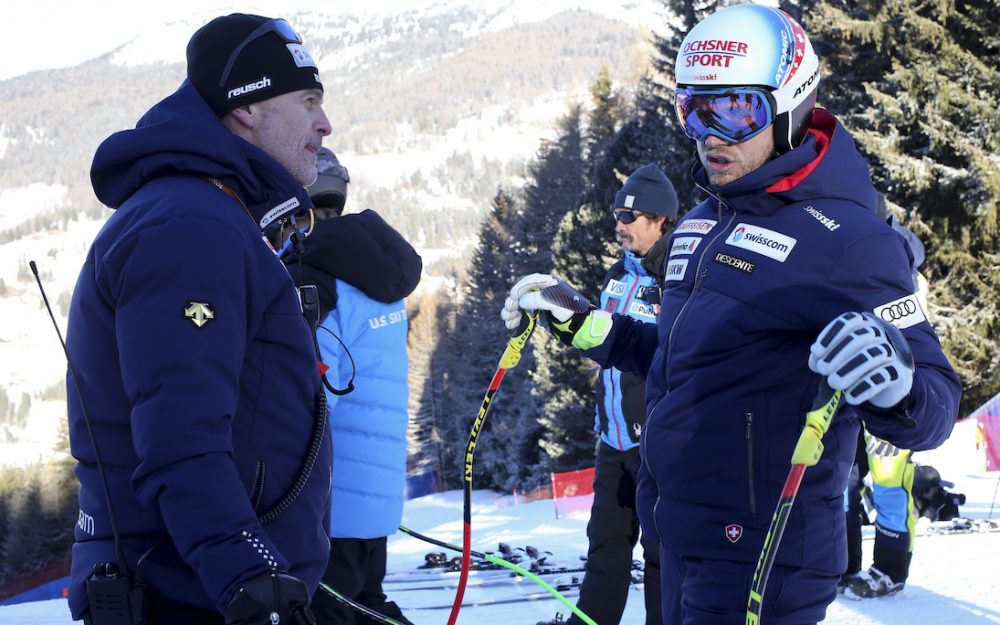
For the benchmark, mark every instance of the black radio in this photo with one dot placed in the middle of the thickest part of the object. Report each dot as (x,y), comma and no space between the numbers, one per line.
(113,596)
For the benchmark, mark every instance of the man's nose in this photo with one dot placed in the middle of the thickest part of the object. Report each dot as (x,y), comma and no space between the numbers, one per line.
(323,123)
(712,141)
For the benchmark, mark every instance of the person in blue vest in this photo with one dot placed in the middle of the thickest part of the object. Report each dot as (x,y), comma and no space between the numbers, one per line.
(195,407)
(645,211)
(791,285)
(363,269)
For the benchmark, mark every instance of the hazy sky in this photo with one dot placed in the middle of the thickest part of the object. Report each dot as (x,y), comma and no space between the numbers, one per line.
(47,34)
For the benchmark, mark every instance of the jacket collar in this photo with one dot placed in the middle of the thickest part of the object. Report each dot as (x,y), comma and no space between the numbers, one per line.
(826,164)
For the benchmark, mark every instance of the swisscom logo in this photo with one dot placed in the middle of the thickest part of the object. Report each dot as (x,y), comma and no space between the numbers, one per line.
(762,241)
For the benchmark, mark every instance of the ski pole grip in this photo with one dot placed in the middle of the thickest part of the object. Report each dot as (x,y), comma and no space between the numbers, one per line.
(809,447)
(512,353)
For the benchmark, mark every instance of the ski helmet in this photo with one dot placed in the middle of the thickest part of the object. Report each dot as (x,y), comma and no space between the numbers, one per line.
(753,46)
(330,189)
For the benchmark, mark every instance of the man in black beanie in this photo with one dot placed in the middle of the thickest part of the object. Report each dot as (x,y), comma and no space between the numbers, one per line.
(195,404)
(645,211)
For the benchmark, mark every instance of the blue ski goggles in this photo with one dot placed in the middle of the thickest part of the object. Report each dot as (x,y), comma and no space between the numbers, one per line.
(277,26)
(734,114)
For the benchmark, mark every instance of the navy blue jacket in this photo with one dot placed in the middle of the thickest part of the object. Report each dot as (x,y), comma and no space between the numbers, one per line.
(196,366)
(631,287)
(780,253)
(362,265)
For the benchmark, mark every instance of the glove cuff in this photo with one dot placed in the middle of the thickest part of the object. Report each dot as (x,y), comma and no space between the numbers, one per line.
(593,331)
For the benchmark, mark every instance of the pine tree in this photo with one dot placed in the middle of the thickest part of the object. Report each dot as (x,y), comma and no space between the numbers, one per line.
(23,544)
(554,187)
(429,317)
(507,446)
(652,133)
(918,86)
(565,380)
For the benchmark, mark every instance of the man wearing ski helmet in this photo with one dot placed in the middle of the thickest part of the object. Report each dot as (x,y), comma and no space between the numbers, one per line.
(795,280)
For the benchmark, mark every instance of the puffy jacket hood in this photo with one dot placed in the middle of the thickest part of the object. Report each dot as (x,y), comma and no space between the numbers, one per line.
(181,135)
(362,250)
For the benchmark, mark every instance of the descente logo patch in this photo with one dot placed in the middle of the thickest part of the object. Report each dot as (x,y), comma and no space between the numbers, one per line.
(762,241)
(736,263)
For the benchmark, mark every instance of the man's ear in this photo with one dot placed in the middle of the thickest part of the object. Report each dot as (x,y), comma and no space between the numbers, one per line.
(243,116)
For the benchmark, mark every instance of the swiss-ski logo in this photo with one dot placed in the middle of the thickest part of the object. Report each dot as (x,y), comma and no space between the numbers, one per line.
(734,532)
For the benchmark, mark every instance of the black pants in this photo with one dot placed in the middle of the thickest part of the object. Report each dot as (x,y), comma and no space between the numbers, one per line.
(891,556)
(355,570)
(613,531)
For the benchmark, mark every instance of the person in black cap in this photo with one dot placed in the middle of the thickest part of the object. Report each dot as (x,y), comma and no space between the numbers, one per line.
(196,410)
(645,212)
(362,268)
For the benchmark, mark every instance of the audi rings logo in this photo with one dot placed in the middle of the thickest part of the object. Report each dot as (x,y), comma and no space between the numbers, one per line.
(898,311)
(902,313)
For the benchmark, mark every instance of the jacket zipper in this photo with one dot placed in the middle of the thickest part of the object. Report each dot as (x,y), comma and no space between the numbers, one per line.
(257,489)
(670,342)
(642,457)
(617,397)
(750,485)
(701,273)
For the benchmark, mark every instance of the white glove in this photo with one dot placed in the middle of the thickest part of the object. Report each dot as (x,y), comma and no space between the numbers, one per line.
(526,295)
(865,357)
(568,315)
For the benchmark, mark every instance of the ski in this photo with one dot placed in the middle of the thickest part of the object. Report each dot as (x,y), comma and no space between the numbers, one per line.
(437,566)
(534,596)
(953,527)
(505,580)
(961,526)
(421,575)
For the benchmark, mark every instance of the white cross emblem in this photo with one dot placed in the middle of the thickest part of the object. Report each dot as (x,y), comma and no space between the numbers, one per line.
(734,532)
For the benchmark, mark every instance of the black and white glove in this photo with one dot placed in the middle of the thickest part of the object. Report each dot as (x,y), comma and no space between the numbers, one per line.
(865,357)
(271,598)
(568,314)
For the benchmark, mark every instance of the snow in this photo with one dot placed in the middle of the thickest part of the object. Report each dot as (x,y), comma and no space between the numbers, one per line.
(31,358)
(952,580)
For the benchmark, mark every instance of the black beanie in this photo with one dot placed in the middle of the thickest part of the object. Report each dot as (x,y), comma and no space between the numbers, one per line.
(648,190)
(266,67)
